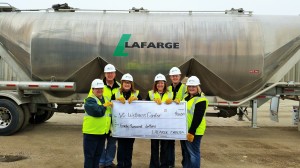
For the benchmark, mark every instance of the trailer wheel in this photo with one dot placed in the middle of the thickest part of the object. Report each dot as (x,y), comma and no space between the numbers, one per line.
(50,114)
(41,115)
(27,116)
(11,117)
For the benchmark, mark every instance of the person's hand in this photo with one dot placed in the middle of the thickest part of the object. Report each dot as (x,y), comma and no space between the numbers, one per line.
(131,99)
(108,104)
(157,101)
(177,101)
(121,99)
(190,137)
(169,101)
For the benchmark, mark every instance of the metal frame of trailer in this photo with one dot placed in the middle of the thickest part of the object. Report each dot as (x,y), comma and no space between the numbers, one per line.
(22,93)
(273,92)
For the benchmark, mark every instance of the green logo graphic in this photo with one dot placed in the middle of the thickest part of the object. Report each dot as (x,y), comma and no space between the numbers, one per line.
(119,51)
(123,44)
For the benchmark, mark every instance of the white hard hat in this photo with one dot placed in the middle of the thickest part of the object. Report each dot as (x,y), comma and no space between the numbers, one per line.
(109,68)
(174,71)
(127,77)
(160,77)
(97,83)
(193,81)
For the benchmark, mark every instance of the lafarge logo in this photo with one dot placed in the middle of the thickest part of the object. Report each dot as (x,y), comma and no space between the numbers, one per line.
(123,43)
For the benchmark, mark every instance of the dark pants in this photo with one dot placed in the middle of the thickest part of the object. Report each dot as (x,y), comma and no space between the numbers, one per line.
(124,155)
(159,159)
(171,153)
(92,147)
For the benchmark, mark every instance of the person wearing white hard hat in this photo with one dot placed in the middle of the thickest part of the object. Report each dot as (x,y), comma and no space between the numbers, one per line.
(96,124)
(110,88)
(179,90)
(125,145)
(197,104)
(159,94)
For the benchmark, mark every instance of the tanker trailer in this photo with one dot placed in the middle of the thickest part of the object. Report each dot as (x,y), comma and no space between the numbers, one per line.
(237,56)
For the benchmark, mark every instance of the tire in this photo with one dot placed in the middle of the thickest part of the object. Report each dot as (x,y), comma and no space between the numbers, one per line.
(27,116)
(41,115)
(50,113)
(11,117)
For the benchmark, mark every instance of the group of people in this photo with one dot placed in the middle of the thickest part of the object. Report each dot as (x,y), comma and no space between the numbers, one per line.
(100,147)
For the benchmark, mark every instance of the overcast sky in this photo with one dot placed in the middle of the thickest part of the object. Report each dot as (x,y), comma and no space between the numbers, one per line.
(259,7)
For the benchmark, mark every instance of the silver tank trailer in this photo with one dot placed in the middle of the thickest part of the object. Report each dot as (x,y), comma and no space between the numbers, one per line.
(233,55)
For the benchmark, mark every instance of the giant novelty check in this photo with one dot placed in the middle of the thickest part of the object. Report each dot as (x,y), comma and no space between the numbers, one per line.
(146,119)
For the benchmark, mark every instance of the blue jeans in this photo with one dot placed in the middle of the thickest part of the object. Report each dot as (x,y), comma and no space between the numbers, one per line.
(124,155)
(109,152)
(191,153)
(92,148)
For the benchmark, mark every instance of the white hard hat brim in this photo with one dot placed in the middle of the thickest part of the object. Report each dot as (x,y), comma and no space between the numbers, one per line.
(110,71)
(98,87)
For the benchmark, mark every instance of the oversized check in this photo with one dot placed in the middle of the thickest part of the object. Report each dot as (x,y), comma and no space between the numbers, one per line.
(146,119)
